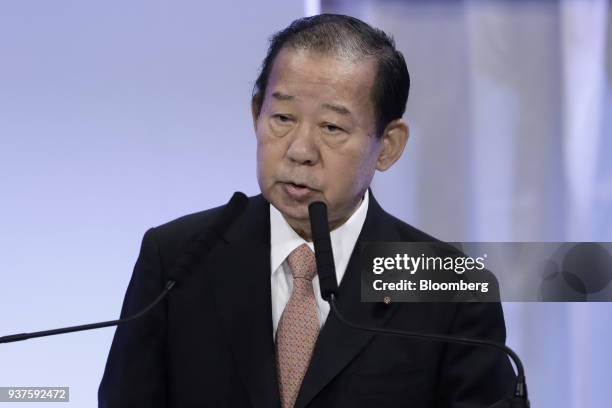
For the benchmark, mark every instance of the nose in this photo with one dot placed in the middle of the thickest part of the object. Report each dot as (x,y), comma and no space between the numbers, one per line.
(302,147)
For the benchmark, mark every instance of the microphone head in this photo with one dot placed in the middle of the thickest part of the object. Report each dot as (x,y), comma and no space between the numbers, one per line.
(326,269)
(232,210)
(200,246)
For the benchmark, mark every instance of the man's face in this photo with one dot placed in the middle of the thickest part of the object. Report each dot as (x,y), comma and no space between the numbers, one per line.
(316,135)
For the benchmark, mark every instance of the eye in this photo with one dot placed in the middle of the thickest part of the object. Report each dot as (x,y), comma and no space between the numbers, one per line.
(282,118)
(331,128)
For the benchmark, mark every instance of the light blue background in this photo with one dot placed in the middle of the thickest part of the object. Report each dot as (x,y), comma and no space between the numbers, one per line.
(118,116)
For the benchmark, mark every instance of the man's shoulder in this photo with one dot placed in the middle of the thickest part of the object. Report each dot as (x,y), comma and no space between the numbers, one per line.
(174,235)
(407,232)
(190,223)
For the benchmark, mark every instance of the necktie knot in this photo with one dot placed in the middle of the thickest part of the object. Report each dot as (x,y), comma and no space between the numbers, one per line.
(302,262)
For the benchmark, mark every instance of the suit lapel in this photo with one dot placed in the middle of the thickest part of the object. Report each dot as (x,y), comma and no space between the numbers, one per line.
(240,272)
(338,344)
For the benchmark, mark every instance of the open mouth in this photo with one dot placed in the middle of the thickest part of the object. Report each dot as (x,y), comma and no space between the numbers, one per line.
(298,185)
(297,191)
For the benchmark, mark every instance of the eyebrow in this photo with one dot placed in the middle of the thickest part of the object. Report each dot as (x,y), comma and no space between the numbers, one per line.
(336,108)
(282,97)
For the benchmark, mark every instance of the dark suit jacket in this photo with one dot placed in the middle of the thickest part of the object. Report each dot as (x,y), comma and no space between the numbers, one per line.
(211,343)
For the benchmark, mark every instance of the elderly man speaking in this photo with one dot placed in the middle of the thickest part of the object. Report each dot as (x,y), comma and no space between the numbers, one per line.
(249,327)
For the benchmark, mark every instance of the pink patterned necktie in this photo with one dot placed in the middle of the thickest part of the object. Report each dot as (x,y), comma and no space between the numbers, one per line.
(298,327)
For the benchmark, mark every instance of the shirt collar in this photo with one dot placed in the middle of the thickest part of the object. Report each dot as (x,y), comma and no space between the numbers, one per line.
(283,239)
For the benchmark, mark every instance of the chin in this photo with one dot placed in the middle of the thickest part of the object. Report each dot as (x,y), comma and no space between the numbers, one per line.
(292,209)
(288,207)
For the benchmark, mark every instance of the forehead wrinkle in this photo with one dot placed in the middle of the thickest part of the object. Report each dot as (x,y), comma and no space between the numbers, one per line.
(337,108)
(301,75)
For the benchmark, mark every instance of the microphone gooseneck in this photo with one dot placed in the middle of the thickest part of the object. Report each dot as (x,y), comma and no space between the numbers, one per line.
(193,254)
(25,336)
(520,389)
(206,240)
(329,292)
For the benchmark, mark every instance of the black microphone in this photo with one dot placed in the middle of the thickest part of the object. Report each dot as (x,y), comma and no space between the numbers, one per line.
(200,246)
(324,254)
(329,291)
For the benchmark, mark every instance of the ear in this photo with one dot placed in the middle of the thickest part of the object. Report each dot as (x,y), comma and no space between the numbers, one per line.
(254,111)
(394,140)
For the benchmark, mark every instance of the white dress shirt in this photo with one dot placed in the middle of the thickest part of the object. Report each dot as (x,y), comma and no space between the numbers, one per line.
(283,240)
